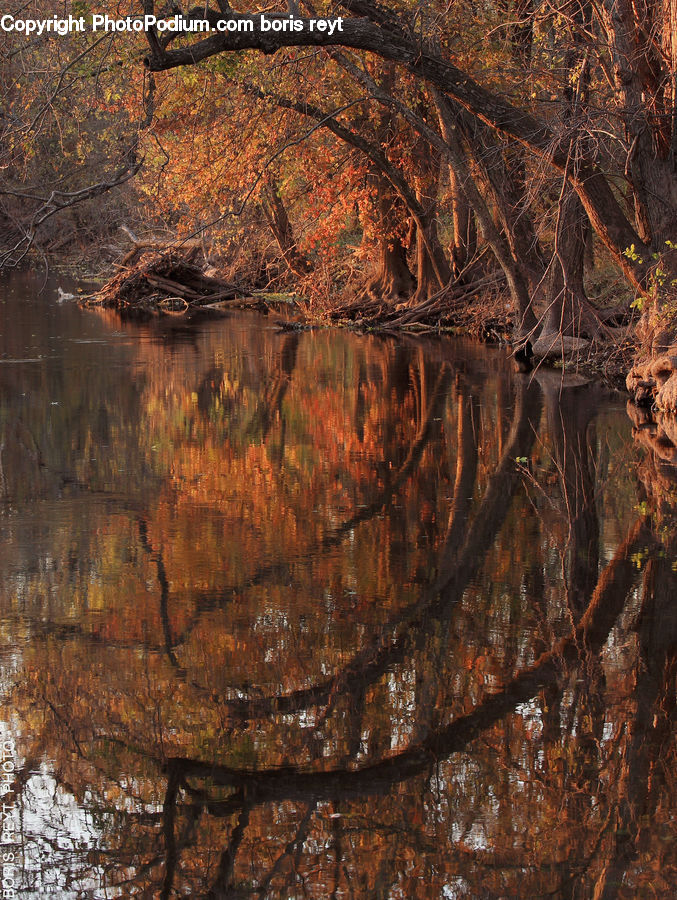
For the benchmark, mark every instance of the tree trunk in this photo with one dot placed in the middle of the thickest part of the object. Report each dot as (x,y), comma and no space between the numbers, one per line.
(566,301)
(464,240)
(644,82)
(393,280)
(506,184)
(278,221)
(519,290)
(432,268)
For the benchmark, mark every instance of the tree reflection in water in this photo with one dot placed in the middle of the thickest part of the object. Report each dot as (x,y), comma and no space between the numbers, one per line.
(327,616)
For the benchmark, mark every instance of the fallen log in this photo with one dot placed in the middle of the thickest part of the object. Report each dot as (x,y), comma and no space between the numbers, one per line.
(166,284)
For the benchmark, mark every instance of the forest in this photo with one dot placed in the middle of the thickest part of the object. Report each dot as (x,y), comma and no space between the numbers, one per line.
(505,166)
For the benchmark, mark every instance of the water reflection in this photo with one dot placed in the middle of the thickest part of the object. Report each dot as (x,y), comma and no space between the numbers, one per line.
(320,615)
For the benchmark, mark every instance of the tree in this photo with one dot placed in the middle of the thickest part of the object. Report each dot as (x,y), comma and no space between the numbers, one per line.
(66,140)
(646,136)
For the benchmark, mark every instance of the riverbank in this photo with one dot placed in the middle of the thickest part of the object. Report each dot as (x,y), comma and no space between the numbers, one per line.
(175,280)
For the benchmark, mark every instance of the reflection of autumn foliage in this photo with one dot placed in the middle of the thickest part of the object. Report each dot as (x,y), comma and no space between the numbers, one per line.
(376,630)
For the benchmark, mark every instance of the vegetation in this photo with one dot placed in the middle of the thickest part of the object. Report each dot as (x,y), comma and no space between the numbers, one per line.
(416,151)
(297,614)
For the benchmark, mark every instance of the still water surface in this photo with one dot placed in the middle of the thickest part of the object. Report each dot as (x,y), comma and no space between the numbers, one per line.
(324,615)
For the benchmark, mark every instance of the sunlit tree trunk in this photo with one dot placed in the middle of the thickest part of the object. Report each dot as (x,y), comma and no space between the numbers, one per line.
(393,280)
(281,227)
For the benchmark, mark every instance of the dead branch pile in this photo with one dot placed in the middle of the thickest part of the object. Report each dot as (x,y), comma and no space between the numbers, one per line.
(168,280)
(450,308)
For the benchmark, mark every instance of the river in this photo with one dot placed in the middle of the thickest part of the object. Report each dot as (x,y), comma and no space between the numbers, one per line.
(325,615)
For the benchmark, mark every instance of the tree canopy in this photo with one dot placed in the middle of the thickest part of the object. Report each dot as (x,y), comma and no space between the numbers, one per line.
(411,138)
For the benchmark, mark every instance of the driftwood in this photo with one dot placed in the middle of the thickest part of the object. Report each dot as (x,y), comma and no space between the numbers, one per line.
(169,279)
(449,308)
